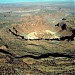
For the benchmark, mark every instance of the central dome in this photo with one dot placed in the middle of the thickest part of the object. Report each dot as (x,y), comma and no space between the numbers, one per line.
(35,28)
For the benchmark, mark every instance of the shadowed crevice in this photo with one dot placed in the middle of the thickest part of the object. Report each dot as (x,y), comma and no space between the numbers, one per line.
(37,57)
(68,38)
(47,55)
(15,34)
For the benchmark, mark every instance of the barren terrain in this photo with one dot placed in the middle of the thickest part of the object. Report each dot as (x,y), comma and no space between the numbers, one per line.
(37,39)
